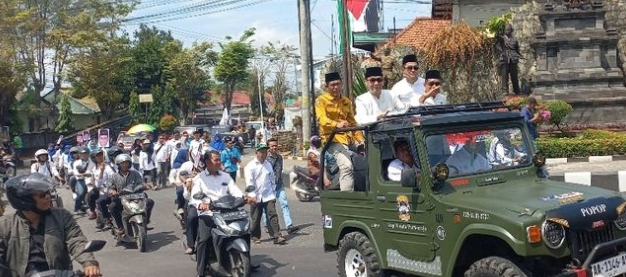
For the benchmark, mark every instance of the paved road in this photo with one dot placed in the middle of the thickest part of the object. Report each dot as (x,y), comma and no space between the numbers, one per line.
(302,256)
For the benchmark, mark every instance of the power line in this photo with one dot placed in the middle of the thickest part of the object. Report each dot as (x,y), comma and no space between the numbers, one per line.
(189,8)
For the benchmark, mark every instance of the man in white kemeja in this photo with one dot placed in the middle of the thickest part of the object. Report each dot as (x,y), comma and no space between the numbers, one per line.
(377,103)
(432,90)
(214,184)
(162,151)
(404,160)
(44,166)
(147,163)
(411,87)
(260,174)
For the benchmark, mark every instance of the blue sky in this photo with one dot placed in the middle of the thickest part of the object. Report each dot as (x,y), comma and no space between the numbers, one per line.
(275,20)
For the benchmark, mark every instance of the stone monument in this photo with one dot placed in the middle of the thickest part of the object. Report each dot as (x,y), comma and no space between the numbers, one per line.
(577,61)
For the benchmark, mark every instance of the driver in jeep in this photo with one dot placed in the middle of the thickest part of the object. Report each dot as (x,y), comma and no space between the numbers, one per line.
(404,160)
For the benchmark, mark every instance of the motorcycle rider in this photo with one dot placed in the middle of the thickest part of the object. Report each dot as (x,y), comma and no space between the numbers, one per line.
(52,235)
(122,179)
(102,203)
(215,184)
(44,166)
(82,171)
(102,177)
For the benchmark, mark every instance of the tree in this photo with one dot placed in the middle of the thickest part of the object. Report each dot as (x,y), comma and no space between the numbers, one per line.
(65,123)
(133,106)
(254,83)
(281,56)
(151,49)
(188,73)
(163,103)
(12,72)
(232,65)
(104,72)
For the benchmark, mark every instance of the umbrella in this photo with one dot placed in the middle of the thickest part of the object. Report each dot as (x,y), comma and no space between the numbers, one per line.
(141,128)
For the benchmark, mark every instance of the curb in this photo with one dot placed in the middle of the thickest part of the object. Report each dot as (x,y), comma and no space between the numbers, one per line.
(590,159)
(615,181)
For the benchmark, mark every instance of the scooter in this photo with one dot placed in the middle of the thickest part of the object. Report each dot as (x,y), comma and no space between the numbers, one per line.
(91,246)
(134,218)
(303,184)
(57,201)
(231,238)
(8,168)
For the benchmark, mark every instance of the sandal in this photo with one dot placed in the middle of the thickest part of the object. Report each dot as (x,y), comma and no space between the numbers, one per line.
(256,241)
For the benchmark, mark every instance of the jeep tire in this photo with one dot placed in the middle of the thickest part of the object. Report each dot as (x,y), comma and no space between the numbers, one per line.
(356,257)
(494,267)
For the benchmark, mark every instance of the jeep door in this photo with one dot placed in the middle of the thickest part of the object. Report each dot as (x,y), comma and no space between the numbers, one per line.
(404,213)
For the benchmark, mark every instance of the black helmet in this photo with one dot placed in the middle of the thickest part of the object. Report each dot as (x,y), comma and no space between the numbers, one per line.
(20,190)
(74,150)
(114,151)
(316,141)
(83,150)
(95,153)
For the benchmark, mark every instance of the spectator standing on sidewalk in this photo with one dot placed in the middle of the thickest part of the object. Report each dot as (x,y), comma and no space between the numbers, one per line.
(259,173)
(276,161)
(162,154)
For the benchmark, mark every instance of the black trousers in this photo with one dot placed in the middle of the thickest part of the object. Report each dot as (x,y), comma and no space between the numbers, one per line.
(116,210)
(205,225)
(103,205)
(506,70)
(92,198)
(256,211)
(192,226)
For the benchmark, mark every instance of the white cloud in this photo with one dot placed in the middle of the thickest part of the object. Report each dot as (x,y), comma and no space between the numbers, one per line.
(267,33)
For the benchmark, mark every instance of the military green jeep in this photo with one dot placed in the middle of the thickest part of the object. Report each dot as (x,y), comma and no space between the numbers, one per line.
(459,190)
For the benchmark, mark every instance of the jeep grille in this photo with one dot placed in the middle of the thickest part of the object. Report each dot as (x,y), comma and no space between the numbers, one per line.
(582,242)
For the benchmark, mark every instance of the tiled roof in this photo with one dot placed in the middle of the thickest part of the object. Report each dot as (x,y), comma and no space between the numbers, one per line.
(419,32)
(239,98)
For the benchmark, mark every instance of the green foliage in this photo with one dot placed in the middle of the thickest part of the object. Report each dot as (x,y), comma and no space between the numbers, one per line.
(233,62)
(167,123)
(358,83)
(163,103)
(151,49)
(576,147)
(601,134)
(559,110)
(496,24)
(65,123)
(133,106)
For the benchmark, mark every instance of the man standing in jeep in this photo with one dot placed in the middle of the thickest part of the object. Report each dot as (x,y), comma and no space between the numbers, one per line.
(335,111)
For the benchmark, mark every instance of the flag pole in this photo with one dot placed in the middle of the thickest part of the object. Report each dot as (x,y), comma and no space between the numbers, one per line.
(345,47)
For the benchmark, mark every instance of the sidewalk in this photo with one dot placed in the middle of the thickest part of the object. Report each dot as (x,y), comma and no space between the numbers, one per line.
(595,167)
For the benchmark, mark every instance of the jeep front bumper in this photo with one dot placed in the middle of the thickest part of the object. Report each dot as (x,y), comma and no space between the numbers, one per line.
(600,250)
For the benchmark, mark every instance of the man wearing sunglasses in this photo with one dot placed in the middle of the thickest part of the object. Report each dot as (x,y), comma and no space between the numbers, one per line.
(432,87)
(377,103)
(38,237)
(411,87)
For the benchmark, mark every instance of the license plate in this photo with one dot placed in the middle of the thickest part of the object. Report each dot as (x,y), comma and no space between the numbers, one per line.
(134,196)
(610,267)
(234,215)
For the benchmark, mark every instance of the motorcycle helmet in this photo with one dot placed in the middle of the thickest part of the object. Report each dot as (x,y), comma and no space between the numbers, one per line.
(20,190)
(316,142)
(40,152)
(123,158)
(114,151)
(74,150)
(95,153)
(83,150)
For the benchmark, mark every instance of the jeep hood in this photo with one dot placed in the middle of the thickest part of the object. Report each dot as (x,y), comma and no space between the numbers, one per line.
(574,206)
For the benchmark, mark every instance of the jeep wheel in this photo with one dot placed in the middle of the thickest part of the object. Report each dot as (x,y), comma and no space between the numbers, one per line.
(356,257)
(494,267)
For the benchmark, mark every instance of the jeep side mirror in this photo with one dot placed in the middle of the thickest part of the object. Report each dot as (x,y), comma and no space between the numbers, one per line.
(408,178)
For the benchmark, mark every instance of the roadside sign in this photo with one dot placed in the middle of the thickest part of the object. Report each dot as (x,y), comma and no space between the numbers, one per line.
(103,138)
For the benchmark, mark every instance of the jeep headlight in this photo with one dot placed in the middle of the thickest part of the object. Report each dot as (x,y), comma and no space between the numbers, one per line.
(553,234)
(620,222)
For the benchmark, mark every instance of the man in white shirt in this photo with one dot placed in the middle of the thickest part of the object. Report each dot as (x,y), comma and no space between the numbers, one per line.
(82,170)
(467,160)
(44,166)
(195,146)
(377,103)
(404,160)
(411,87)
(214,184)
(432,87)
(162,152)
(260,174)
(501,150)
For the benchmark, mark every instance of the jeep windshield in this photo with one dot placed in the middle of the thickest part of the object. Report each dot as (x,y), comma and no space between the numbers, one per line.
(478,151)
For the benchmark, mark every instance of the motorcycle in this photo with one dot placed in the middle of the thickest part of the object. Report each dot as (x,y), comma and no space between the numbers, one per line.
(134,218)
(57,201)
(8,168)
(303,184)
(231,236)
(90,247)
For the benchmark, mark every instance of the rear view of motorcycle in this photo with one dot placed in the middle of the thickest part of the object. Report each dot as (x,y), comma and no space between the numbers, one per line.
(303,184)
(134,218)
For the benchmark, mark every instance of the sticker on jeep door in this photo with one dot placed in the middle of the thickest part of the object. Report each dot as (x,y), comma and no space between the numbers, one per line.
(404,209)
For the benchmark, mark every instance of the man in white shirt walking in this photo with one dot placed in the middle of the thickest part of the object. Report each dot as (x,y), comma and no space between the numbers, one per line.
(411,87)
(260,174)
(377,103)
(162,151)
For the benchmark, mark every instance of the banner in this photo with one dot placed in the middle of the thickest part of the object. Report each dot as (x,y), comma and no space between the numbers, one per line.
(103,138)
(86,137)
(364,15)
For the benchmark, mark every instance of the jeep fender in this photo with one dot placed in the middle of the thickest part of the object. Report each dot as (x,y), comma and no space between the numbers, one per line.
(363,228)
(518,246)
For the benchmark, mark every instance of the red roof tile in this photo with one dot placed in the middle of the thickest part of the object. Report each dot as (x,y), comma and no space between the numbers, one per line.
(239,98)
(419,32)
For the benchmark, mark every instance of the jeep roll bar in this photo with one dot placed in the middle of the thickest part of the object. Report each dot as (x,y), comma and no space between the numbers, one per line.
(320,179)
(452,108)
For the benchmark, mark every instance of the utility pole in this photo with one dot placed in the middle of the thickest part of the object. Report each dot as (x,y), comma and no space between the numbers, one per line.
(304,17)
(347,57)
